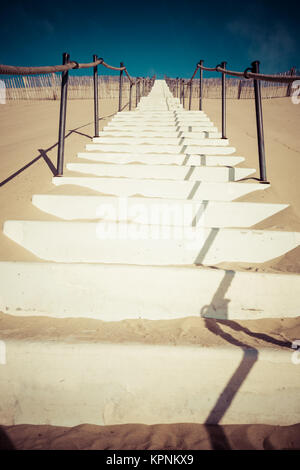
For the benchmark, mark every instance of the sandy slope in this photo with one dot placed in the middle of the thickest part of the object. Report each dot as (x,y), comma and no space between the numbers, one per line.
(27,127)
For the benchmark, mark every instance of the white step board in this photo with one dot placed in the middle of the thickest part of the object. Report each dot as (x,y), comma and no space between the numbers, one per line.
(72,383)
(157,126)
(163,148)
(93,291)
(164,159)
(162,119)
(164,122)
(161,134)
(144,210)
(188,112)
(108,242)
(118,140)
(158,114)
(167,172)
(193,190)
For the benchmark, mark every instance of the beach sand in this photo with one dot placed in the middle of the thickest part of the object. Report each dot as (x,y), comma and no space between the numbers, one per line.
(27,131)
(157,437)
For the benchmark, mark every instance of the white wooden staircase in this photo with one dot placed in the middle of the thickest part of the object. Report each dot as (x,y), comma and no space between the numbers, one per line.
(146,245)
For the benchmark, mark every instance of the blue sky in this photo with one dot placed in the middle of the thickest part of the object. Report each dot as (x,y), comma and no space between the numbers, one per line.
(150,36)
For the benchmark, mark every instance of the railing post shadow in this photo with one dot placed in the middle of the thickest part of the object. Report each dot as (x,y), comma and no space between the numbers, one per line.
(96,102)
(259,124)
(62,117)
(223,65)
(120,87)
(200,85)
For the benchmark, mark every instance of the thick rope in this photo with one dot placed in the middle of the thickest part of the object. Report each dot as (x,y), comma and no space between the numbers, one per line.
(14,70)
(247,74)
(255,76)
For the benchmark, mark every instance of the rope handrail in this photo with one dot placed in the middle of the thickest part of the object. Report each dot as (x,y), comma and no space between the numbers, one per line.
(193,76)
(16,70)
(70,65)
(248,74)
(208,69)
(251,73)
(129,77)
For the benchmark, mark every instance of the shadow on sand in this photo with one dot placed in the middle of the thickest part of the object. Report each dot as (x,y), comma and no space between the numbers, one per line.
(216,315)
(5,442)
(43,152)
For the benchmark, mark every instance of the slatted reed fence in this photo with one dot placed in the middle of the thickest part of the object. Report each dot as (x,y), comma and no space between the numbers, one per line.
(237,88)
(47,87)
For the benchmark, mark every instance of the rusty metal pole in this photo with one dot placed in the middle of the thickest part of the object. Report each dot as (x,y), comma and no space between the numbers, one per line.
(136,92)
(223,65)
(259,124)
(62,117)
(200,85)
(130,95)
(289,87)
(120,86)
(96,101)
(139,90)
(180,90)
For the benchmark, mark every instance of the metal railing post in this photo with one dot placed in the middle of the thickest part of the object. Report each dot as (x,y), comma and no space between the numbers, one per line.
(183,93)
(130,95)
(289,87)
(143,92)
(62,117)
(190,97)
(200,85)
(96,102)
(240,90)
(259,124)
(136,92)
(223,65)
(177,87)
(120,86)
